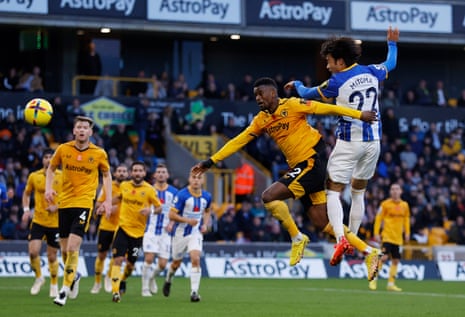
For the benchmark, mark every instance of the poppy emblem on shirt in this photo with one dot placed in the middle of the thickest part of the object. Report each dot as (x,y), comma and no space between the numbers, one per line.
(196,209)
(79,157)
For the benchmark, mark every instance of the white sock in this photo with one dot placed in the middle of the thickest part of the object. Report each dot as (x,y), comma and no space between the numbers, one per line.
(335,213)
(169,276)
(146,274)
(357,209)
(297,238)
(156,271)
(196,273)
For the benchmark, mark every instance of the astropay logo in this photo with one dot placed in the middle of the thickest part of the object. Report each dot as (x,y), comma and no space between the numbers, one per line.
(125,6)
(412,15)
(304,11)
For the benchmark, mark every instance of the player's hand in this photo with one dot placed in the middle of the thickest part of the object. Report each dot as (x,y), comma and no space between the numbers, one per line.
(290,85)
(369,116)
(26,216)
(50,196)
(52,208)
(105,207)
(393,34)
(203,228)
(146,211)
(193,222)
(201,167)
(377,238)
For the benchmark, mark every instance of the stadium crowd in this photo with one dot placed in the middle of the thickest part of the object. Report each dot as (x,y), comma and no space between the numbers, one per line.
(430,166)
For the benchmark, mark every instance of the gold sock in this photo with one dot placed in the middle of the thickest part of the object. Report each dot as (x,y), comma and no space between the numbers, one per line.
(354,240)
(280,211)
(392,273)
(115,278)
(70,267)
(98,270)
(35,265)
(53,267)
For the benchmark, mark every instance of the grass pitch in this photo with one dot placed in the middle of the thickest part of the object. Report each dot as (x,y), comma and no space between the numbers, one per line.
(245,297)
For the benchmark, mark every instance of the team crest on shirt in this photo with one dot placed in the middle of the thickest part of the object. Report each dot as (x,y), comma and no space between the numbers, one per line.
(91,159)
(284,113)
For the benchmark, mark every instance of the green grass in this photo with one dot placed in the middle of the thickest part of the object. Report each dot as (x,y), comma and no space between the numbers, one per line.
(246,297)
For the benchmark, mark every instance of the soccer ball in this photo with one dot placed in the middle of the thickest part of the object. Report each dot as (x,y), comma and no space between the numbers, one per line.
(38,112)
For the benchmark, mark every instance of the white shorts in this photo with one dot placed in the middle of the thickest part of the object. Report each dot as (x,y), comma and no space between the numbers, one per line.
(159,244)
(183,245)
(353,160)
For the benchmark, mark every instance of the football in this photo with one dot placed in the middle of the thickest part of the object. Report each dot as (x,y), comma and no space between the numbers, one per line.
(38,112)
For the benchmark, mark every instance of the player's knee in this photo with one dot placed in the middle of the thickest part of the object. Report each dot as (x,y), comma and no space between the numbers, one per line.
(359,184)
(337,187)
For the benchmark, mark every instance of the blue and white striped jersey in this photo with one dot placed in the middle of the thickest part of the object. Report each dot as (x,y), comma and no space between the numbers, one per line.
(356,87)
(156,223)
(190,206)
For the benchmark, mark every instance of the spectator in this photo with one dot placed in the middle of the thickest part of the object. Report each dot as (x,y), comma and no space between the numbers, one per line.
(141,122)
(73,110)
(180,88)
(410,97)
(390,100)
(36,84)
(390,124)
(121,142)
(408,157)
(138,88)
(461,99)
(245,181)
(245,89)
(155,134)
(11,81)
(423,95)
(457,231)
(440,97)
(155,88)
(60,125)
(89,64)
(104,86)
(231,93)
(243,219)
(227,227)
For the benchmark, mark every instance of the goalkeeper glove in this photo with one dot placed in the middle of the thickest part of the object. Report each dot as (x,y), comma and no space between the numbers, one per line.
(207,163)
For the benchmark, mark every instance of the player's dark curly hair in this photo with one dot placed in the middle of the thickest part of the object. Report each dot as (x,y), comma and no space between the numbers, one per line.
(342,47)
(267,81)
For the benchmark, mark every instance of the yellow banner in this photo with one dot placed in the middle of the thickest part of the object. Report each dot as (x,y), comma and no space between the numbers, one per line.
(201,147)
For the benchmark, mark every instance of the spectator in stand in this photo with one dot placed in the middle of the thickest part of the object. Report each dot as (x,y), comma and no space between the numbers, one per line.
(73,110)
(180,88)
(155,88)
(433,137)
(141,122)
(36,84)
(59,124)
(104,86)
(90,64)
(25,80)
(121,142)
(461,99)
(155,134)
(198,127)
(227,227)
(259,233)
(245,89)
(390,124)
(11,80)
(408,158)
(243,219)
(211,87)
(410,97)
(244,182)
(231,93)
(452,144)
(423,94)
(390,100)
(457,231)
(138,88)
(440,97)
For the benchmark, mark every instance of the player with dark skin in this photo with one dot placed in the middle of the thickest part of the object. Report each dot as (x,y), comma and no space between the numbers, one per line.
(285,120)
